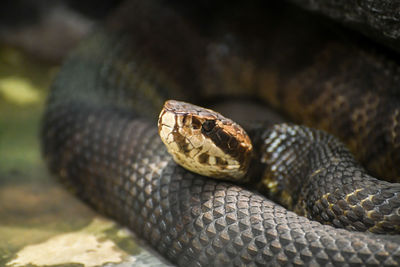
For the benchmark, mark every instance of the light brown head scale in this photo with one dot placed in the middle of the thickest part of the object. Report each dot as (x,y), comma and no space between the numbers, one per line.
(203,141)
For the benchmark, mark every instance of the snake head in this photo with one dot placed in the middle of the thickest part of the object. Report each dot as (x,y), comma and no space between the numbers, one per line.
(203,141)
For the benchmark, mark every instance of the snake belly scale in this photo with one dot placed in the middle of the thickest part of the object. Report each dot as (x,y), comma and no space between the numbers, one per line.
(100,138)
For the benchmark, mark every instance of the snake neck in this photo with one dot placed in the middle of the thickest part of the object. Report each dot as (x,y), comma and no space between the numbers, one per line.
(290,157)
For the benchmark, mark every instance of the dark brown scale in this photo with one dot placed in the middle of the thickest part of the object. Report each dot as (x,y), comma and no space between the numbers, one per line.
(223,138)
(203,157)
(221,162)
(208,125)
(220,138)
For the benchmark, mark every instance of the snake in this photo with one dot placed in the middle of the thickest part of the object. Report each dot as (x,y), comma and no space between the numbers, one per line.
(100,137)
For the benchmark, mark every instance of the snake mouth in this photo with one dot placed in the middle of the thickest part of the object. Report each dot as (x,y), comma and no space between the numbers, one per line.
(204,141)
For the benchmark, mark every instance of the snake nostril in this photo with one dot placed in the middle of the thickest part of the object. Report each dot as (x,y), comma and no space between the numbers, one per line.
(208,125)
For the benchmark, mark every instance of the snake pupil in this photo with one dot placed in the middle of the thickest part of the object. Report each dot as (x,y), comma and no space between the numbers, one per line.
(208,125)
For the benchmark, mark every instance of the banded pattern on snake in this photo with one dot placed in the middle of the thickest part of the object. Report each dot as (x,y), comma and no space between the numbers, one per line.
(100,137)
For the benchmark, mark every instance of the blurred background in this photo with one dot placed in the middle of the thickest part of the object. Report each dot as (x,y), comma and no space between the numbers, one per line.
(41,224)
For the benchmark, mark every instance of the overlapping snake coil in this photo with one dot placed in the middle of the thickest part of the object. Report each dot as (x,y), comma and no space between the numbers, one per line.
(100,135)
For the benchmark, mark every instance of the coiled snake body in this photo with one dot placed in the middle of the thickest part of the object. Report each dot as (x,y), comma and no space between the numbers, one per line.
(100,137)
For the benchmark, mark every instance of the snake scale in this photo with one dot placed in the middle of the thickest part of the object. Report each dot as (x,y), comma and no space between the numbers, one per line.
(100,137)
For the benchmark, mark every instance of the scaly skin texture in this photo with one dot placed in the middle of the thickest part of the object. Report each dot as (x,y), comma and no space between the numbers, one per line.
(205,142)
(379,19)
(314,174)
(100,134)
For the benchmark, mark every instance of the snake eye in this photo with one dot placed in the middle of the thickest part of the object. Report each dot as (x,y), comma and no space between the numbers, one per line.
(208,125)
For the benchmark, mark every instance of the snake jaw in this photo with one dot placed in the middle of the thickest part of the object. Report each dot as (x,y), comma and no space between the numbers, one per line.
(203,141)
